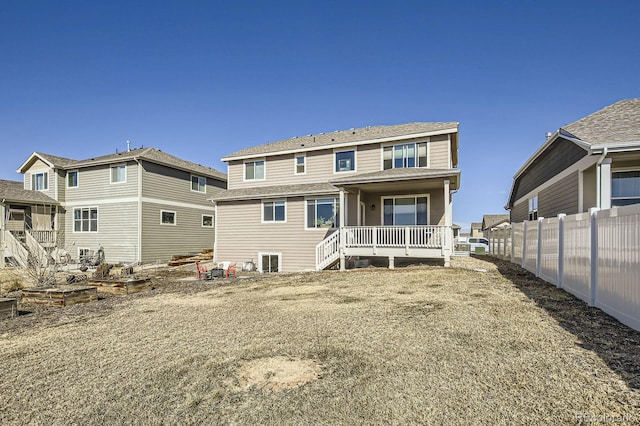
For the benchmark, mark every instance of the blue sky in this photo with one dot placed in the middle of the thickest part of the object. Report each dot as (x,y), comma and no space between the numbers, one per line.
(201,79)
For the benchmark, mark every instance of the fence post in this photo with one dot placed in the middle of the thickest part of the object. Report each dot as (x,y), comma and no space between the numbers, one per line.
(561,217)
(523,261)
(504,244)
(539,254)
(593,226)
(513,240)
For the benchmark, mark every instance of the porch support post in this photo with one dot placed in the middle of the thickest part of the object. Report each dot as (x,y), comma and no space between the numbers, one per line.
(605,184)
(358,221)
(343,265)
(448,220)
(392,262)
(2,230)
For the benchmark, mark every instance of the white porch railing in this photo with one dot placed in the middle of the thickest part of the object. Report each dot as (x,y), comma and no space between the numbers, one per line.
(421,241)
(44,238)
(37,251)
(428,236)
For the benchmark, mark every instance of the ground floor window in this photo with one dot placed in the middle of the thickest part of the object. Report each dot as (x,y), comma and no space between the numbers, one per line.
(625,188)
(274,211)
(167,217)
(85,219)
(85,254)
(323,213)
(269,262)
(207,221)
(412,210)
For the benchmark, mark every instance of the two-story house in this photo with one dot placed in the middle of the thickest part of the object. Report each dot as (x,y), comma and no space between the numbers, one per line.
(139,205)
(307,203)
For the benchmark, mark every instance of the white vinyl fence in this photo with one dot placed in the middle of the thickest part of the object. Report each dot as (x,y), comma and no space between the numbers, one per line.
(595,256)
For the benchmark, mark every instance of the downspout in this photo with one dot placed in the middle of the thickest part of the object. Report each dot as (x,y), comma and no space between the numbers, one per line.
(215,231)
(598,177)
(139,236)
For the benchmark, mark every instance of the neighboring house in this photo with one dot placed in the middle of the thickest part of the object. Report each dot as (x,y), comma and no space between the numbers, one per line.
(476,229)
(308,202)
(493,221)
(140,205)
(593,162)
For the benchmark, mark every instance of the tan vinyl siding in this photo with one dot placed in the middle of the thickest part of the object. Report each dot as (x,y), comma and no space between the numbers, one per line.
(241,235)
(374,215)
(589,192)
(439,152)
(164,183)
(61,183)
(94,183)
(520,212)
(161,242)
(561,197)
(40,167)
(117,232)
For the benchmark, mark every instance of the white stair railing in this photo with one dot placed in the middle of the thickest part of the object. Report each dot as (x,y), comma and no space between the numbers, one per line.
(16,250)
(328,251)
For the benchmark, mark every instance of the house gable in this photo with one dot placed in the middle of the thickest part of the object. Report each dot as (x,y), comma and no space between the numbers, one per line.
(558,156)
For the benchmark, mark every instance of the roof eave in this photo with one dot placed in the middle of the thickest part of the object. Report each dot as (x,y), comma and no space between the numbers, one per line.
(23,167)
(342,144)
(616,147)
(274,195)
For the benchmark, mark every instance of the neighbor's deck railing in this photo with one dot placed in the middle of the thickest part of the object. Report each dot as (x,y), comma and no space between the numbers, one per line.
(45,238)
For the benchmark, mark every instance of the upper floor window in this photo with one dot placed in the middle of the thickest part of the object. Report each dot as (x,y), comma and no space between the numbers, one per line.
(40,181)
(119,173)
(300,164)
(625,188)
(254,170)
(274,211)
(72,179)
(323,213)
(85,219)
(198,184)
(405,155)
(345,161)
(533,208)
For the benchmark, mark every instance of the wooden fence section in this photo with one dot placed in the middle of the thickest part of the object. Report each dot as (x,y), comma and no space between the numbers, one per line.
(595,256)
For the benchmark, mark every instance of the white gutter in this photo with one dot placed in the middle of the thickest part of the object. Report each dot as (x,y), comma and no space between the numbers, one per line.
(616,147)
(599,176)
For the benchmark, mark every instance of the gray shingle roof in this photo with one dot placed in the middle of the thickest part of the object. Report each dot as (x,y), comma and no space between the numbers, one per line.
(150,154)
(489,220)
(303,143)
(396,174)
(11,190)
(275,191)
(619,122)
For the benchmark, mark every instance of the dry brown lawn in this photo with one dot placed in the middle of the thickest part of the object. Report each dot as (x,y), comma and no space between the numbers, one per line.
(415,345)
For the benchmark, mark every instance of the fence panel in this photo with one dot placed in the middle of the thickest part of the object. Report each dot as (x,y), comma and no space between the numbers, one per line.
(576,277)
(618,287)
(518,238)
(549,238)
(531,246)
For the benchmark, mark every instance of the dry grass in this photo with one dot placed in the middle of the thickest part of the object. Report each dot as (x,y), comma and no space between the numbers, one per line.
(414,345)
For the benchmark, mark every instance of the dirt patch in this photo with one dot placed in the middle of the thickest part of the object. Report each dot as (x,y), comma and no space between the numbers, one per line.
(275,374)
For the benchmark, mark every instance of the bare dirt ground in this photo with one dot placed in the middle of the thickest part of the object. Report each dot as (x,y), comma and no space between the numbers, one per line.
(483,342)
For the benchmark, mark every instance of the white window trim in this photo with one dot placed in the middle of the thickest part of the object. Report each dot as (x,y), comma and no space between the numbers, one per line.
(622,170)
(274,221)
(77,172)
(191,184)
(536,210)
(427,196)
(175,218)
(426,140)
(269,253)
(89,249)
(244,169)
(337,200)
(355,161)
(202,221)
(73,220)
(295,163)
(35,173)
(111,174)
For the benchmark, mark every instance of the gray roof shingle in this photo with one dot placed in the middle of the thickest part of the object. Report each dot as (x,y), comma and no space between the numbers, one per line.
(396,174)
(489,220)
(150,154)
(275,191)
(619,122)
(11,190)
(343,136)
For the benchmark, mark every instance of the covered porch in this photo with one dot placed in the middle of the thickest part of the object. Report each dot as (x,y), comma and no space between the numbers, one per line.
(394,213)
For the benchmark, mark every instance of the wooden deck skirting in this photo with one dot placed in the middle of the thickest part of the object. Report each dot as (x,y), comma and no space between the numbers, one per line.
(59,296)
(123,286)
(8,308)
